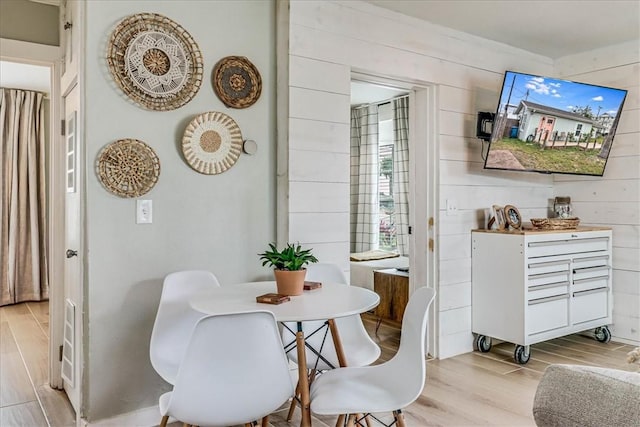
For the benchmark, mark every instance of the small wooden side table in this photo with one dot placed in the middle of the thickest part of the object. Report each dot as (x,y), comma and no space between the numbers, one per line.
(393,287)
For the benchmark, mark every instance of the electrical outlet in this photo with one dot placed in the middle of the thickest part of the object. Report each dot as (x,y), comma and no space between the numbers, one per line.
(144,211)
(452,207)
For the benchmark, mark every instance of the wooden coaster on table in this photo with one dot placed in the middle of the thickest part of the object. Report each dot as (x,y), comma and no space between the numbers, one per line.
(272,298)
(308,285)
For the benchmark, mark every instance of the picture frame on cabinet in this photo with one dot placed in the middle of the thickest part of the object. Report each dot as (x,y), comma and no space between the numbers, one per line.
(499,216)
(512,217)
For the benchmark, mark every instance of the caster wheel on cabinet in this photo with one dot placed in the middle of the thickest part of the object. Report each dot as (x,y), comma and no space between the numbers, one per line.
(602,334)
(522,354)
(483,343)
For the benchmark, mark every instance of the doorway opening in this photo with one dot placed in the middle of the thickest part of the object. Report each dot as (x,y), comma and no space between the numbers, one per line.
(26,59)
(416,256)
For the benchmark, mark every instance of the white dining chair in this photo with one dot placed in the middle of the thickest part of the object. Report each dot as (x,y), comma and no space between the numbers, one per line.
(359,349)
(175,319)
(234,371)
(388,387)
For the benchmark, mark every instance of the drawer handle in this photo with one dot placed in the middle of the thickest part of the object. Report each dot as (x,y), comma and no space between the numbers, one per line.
(590,291)
(547,299)
(548,286)
(548,264)
(566,242)
(552,274)
(591,279)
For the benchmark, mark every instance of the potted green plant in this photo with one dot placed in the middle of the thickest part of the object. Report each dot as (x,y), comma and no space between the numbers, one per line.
(288,264)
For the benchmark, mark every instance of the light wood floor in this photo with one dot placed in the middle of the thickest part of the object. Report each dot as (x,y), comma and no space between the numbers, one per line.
(25,396)
(468,390)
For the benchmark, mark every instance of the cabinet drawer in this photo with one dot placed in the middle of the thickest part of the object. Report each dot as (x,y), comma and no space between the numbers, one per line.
(550,290)
(594,261)
(590,272)
(590,283)
(557,247)
(547,278)
(547,267)
(589,305)
(549,313)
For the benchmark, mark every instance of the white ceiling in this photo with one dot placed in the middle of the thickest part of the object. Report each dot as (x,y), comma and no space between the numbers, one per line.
(552,28)
(24,76)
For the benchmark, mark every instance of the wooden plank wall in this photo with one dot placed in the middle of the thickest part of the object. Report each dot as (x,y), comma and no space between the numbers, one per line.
(614,199)
(330,39)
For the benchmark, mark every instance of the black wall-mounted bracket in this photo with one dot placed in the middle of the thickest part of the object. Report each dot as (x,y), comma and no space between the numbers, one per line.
(484,125)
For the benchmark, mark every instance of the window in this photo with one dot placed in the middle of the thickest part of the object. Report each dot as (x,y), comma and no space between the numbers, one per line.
(578,129)
(387,228)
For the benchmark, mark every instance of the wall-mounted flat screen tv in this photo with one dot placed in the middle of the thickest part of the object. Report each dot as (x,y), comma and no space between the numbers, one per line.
(552,125)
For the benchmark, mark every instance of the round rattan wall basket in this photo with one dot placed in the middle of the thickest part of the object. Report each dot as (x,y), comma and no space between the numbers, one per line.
(155,61)
(236,81)
(212,143)
(128,168)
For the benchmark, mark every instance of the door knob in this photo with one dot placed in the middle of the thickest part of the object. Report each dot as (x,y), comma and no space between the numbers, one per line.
(71,253)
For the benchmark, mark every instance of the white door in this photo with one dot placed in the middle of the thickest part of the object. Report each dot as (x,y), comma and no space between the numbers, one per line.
(72,343)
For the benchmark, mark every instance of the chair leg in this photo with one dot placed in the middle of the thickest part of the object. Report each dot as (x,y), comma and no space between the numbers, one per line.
(265,421)
(351,422)
(399,418)
(295,399)
(163,422)
(340,421)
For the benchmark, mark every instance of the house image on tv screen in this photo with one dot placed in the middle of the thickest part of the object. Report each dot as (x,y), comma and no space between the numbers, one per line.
(551,125)
(544,125)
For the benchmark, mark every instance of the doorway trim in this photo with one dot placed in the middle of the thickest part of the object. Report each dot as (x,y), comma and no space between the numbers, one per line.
(424,169)
(49,56)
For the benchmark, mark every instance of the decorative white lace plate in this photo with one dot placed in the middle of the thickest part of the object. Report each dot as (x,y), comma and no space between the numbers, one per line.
(155,61)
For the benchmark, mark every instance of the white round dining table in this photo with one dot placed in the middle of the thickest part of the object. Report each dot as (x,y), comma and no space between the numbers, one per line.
(328,302)
(331,301)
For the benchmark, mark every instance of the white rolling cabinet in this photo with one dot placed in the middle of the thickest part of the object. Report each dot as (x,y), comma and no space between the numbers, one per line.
(530,286)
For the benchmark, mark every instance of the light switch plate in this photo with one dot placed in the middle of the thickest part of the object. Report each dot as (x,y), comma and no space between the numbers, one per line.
(144,211)
(452,207)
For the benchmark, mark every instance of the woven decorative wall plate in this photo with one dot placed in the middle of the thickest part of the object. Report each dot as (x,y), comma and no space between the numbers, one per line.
(212,143)
(128,168)
(237,82)
(155,61)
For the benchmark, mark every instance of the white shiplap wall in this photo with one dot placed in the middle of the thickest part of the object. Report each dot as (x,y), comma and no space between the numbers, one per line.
(330,39)
(614,199)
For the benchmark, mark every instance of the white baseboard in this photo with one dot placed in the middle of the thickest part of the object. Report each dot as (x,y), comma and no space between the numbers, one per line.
(146,417)
(625,341)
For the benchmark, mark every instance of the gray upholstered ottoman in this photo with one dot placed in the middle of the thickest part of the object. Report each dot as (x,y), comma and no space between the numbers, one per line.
(581,396)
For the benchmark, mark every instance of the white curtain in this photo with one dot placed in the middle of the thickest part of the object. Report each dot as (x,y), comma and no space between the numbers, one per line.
(365,205)
(401,172)
(23,255)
